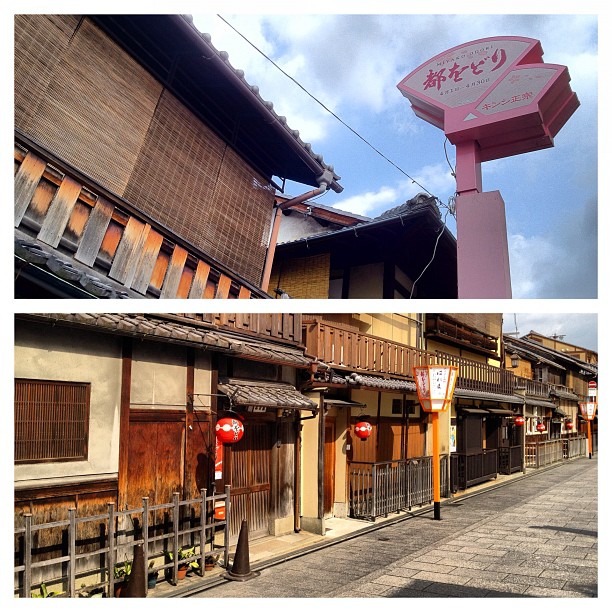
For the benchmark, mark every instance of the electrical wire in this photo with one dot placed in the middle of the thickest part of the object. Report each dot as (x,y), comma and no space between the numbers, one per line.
(433,256)
(327,109)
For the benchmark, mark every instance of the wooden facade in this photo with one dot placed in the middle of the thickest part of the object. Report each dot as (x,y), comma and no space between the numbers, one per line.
(143,171)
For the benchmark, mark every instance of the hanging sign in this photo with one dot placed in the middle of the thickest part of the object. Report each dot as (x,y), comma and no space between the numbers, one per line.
(218,459)
(494,91)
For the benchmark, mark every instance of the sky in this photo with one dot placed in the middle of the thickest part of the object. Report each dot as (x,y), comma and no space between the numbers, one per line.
(352,65)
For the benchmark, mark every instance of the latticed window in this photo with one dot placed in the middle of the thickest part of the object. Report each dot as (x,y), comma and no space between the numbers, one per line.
(51,420)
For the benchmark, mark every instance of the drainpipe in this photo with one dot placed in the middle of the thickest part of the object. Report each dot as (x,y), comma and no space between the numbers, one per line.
(325,181)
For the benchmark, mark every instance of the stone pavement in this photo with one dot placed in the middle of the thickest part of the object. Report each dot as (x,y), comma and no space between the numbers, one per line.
(535,536)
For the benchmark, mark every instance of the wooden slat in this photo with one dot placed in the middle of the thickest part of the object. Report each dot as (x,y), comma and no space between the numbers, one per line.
(174,272)
(244,293)
(223,287)
(124,258)
(198,286)
(26,180)
(59,211)
(146,264)
(94,233)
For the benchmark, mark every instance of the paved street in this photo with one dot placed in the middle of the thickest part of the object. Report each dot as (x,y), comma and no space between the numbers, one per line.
(533,537)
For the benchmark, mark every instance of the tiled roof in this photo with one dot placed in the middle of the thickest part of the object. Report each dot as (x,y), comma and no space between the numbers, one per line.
(269,394)
(377,382)
(486,395)
(153,328)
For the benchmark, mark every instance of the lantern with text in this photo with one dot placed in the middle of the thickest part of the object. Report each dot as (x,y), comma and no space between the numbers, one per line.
(588,411)
(435,387)
(541,427)
(229,430)
(569,424)
(363,430)
(519,420)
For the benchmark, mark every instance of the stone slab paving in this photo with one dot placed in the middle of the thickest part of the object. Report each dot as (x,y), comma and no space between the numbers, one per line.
(533,537)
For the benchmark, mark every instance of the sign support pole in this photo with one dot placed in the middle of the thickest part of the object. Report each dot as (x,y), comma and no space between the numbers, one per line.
(436,467)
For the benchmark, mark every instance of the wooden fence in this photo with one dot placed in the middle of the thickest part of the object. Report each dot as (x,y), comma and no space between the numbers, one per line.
(186,524)
(540,454)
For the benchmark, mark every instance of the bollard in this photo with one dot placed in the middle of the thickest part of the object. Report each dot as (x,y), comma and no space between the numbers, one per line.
(136,586)
(241,568)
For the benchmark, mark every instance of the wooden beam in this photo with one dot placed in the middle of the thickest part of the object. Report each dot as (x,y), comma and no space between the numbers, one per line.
(124,421)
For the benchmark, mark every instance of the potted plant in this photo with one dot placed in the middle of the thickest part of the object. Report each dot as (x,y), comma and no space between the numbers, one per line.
(210,561)
(184,565)
(151,575)
(121,572)
(44,592)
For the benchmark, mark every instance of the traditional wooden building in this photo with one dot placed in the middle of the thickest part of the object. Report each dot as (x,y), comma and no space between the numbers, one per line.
(117,407)
(407,252)
(552,377)
(145,163)
(484,439)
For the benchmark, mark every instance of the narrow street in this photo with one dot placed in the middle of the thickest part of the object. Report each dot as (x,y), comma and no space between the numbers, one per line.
(533,537)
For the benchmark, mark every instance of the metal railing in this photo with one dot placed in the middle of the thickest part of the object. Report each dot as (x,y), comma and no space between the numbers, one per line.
(93,562)
(469,469)
(383,487)
(510,459)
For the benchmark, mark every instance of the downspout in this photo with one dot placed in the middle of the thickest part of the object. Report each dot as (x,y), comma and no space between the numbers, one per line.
(325,181)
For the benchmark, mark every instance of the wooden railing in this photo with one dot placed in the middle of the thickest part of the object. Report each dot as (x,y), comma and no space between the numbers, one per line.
(90,563)
(352,350)
(540,454)
(343,348)
(99,231)
(537,388)
(280,326)
(510,459)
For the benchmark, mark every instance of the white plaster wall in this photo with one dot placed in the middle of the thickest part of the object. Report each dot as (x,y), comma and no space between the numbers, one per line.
(64,354)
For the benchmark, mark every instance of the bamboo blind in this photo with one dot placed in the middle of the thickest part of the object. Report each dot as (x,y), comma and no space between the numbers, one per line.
(86,100)
(188,179)
(96,108)
(51,420)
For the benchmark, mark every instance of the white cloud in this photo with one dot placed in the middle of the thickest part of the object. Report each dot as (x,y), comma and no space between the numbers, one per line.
(365,203)
(577,328)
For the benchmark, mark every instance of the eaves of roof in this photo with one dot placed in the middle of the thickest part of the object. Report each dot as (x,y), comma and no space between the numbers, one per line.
(150,327)
(186,62)
(412,215)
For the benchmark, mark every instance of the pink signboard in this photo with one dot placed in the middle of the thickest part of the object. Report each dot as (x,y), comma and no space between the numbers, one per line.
(496,92)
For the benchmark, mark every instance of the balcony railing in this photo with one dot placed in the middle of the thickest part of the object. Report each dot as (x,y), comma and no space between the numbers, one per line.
(348,349)
(98,231)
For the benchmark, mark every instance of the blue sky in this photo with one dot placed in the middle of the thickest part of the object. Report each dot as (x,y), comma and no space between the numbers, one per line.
(352,64)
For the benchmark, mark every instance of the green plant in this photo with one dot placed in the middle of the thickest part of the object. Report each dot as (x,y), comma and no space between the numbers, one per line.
(44,592)
(183,555)
(122,570)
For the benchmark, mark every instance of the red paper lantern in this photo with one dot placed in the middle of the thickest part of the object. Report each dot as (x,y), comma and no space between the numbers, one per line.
(569,425)
(519,420)
(541,427)
(363,430)
(229,430)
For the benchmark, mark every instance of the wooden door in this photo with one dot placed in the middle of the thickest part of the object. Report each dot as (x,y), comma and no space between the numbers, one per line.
(250,476)
(329,463)
(155,459)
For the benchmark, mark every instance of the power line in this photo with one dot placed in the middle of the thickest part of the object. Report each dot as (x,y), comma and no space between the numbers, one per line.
(328,110)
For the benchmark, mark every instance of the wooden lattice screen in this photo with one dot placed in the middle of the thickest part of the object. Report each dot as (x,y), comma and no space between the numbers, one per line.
(51,420)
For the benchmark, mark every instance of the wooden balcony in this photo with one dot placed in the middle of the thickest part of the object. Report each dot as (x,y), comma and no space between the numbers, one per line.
(101,235)
(535,388)
(277,326)
(348,349)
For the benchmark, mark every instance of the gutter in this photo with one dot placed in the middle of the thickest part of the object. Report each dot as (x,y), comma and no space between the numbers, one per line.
(325,182)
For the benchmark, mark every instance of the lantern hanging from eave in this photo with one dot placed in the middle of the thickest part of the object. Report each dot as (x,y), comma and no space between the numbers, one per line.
(229,430)
(363,430)
(541,427)
(569,424)
(519,420)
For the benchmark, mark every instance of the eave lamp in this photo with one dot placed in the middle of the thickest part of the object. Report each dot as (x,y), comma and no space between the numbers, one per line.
(435,387)
(229,429)
(363,430)
(519,420)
